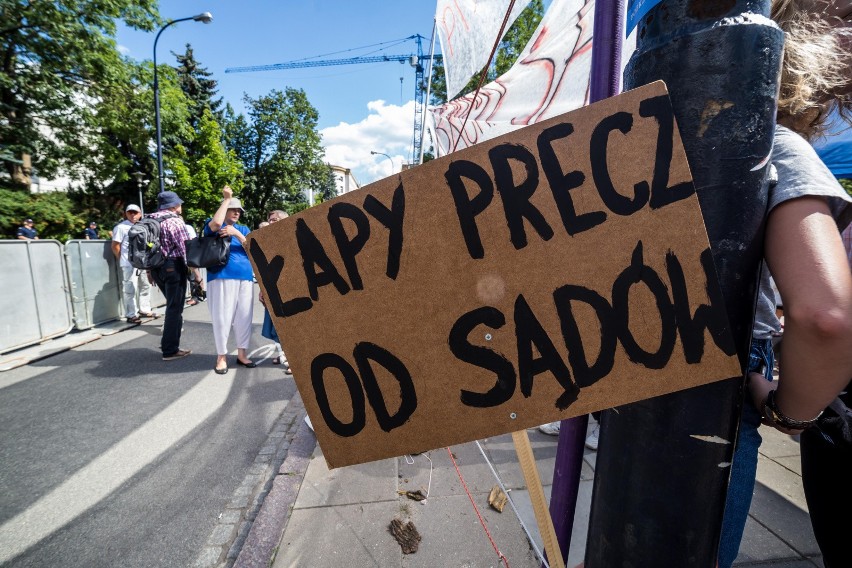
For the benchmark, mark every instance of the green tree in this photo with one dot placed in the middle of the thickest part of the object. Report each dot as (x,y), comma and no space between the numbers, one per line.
(508,50)
(327,187)
(200,163)
(196,83)
(124,126)
(57,59)
(52,213)
(280,148)
(175,110)
(236,134)
(847,185)
(200,178)
(119,143)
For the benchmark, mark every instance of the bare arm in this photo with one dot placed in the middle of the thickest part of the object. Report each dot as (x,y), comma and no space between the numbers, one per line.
(219,217)
(231,231)
(116,249)
(806,257)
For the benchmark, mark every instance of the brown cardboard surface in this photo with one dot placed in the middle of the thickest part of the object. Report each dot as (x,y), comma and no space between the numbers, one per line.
(389,311)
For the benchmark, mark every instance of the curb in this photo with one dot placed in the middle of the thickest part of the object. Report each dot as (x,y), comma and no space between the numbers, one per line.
(60,344)
(262,541)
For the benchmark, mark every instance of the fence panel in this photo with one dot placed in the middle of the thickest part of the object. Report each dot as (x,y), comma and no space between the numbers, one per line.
(95,282)
(34,302)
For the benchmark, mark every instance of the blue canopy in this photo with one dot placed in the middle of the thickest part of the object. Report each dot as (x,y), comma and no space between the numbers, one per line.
(835,149)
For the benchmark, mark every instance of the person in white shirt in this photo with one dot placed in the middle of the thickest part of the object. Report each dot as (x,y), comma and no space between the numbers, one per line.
(132,278)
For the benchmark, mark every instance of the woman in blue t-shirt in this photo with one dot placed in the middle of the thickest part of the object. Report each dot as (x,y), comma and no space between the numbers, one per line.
(230,289)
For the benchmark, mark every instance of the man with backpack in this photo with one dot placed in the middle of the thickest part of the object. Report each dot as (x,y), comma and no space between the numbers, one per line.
(169,269)
(133,279)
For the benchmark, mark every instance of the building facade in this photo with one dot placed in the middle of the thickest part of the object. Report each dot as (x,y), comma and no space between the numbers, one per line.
(344,180)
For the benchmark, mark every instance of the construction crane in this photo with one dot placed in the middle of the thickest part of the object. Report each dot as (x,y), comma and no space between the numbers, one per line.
(414,59)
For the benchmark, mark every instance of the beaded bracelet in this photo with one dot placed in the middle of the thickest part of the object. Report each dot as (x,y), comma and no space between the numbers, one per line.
(774,415)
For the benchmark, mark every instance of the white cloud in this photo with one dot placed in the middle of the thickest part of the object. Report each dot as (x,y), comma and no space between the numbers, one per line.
(123,49)
(387,128)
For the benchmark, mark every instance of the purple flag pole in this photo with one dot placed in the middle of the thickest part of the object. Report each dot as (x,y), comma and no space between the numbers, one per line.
(605,82)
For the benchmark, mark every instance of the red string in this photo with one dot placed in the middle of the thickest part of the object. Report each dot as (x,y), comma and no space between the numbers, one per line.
(475,508)
(485,71)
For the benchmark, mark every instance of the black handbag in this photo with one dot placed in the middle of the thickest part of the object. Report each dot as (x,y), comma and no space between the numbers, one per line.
(208,252)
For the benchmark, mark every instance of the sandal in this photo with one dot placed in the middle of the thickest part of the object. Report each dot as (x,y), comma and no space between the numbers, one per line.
(276,361)
(134,320)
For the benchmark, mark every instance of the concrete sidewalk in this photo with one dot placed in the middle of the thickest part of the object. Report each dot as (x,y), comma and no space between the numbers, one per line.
(341,517)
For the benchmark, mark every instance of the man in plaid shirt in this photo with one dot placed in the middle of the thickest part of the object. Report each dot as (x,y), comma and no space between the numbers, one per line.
(171,276)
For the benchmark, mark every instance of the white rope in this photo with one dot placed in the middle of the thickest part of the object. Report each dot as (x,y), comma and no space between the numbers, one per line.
(429,488)
(409,459)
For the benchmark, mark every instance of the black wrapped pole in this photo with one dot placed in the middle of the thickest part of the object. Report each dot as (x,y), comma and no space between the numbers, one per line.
(659,490)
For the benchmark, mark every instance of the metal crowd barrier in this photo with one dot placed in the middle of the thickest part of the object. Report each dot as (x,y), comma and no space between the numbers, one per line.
(48,289)
(95,282)
(34,301)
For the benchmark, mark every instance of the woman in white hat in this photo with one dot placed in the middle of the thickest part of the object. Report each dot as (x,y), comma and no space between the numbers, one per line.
(230,288)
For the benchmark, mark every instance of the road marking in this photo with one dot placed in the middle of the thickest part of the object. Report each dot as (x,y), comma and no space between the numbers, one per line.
(108,471)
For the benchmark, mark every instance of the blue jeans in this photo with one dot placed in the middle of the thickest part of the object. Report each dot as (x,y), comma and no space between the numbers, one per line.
(744,464)
(171,278)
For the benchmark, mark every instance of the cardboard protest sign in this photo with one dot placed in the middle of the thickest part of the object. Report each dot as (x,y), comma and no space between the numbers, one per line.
(557,270)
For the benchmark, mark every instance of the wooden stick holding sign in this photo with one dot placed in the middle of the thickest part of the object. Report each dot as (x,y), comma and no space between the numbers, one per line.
(539,503)
(556,270)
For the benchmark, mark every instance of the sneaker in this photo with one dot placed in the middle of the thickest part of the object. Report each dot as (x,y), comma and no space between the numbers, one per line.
(592,438)
(180,353)
(551,428)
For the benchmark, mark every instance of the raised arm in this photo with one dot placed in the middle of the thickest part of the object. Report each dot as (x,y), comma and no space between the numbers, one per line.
(219,217)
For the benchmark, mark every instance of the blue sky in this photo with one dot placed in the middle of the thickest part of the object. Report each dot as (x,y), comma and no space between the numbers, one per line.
(362,107)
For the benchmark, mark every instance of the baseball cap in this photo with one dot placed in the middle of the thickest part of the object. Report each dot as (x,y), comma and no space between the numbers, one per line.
(132,207)
(28,221)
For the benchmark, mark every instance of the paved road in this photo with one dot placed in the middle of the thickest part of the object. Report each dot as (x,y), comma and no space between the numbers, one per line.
(110,456)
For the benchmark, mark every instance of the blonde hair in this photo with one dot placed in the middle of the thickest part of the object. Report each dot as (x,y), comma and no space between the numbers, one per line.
(815,74)
(278,214)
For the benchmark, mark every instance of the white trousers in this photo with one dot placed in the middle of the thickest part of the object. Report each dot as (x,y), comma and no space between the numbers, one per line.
(134,282)
(231,302)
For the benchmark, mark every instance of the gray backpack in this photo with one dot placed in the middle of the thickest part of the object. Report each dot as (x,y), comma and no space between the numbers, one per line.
(143,243)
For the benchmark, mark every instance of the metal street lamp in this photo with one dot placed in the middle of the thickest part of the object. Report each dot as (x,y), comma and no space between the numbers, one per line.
(205,17)
(140,181)
(373,152)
